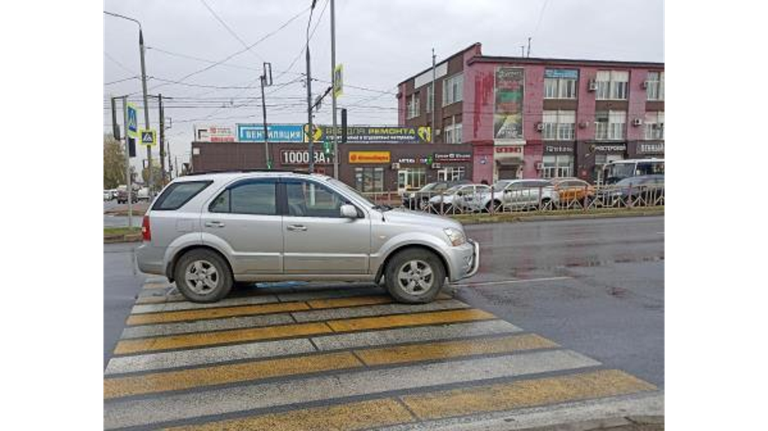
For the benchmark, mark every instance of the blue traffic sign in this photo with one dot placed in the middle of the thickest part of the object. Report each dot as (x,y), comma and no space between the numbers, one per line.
(133,124)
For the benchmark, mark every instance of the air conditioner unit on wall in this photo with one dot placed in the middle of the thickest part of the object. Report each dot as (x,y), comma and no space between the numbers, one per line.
(539,165)
(583,124)
(592,85)
(539,127)
(395,166)
(437,132)
(637,122)
(644,84)
(436,166)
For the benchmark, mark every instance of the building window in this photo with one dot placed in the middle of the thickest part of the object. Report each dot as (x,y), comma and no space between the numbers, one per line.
(655,86)
(453,173)
(452,88)
(413,106)
(453,132)
(559,125)
(612,85)
(411,178)
(430,98)
(610,125)
(560,88)
(557,166)
(654,125)
(369,179)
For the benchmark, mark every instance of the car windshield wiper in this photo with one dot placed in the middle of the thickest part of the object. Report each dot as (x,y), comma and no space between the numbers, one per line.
(381,207)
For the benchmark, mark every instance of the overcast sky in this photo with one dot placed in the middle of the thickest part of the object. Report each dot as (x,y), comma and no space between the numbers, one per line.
(380,43)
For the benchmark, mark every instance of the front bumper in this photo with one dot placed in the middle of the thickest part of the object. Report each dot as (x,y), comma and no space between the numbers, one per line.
(466,260)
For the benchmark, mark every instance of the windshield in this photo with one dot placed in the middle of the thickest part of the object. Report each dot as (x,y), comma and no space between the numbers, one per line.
(500,186)
(619,171)
(351,191)
(428,187)
(453,189)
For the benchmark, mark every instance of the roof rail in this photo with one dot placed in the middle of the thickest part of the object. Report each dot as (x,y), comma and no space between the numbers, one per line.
(226,171)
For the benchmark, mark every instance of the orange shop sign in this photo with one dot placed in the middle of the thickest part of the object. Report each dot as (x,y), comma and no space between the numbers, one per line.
(369,157)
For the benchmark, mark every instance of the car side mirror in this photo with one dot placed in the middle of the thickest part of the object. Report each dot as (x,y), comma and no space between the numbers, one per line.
(348,211)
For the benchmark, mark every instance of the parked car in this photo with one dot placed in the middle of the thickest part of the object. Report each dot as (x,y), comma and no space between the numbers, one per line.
(643,189)
(420,198)
(573,190)
(206,232)
(122,195)
(511,195)
(460,198)
(143,194)
(107,195)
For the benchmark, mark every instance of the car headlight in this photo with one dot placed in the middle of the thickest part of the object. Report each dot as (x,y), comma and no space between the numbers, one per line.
(455,236)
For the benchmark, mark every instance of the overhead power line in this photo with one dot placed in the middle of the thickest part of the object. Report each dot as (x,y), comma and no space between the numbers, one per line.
(230,31)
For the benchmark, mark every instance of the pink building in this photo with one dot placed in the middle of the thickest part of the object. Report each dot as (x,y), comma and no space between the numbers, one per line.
(537,117)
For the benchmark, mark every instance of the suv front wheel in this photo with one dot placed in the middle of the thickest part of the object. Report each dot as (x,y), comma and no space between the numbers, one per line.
(203,276)
(414,276)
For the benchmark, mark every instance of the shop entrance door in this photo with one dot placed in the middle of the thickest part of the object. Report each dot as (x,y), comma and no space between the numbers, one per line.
(508,171)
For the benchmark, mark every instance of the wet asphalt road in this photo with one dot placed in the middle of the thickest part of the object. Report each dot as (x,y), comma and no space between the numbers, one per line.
(601,288)
(593,286)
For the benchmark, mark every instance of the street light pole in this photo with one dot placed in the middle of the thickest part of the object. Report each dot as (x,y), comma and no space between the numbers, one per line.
(146,111)
(310,135)
(144,90)
(333,92)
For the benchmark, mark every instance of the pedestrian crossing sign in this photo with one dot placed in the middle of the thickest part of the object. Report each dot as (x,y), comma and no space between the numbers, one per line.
(132,121)
(148,137)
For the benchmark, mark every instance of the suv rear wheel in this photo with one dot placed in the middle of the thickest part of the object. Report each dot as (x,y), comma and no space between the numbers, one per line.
(203,276)
(414,276)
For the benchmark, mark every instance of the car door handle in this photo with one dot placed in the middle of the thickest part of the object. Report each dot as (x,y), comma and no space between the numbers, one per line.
(214,223)
(296,228)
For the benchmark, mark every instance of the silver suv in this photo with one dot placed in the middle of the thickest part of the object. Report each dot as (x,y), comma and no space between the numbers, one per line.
(207,232)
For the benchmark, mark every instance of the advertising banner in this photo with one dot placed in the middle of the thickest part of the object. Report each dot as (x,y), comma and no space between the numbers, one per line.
(508,106)
(277,133)
(457,157)
(214,134)
(562,73)
(369,157)
(301,157)
(375,134)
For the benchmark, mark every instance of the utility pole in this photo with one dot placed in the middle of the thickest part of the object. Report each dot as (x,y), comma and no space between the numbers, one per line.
(162,139)
(333,95)
(310,136)
(146,110)
(266,81)
(434,108)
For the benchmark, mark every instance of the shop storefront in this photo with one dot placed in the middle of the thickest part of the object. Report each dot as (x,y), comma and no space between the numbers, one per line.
(402,167)
(557,160)
(593,155)
(508,162)
(646,149)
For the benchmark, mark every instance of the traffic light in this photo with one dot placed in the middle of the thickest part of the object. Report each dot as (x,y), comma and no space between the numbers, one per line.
(343,125)
(327,149)
(131,147)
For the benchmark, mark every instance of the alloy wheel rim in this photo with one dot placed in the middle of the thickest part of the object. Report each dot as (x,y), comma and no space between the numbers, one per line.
(202,277)
(415,277)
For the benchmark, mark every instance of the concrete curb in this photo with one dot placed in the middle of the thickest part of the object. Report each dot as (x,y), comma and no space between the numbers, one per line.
(118,238)
(616,424)
(556,217)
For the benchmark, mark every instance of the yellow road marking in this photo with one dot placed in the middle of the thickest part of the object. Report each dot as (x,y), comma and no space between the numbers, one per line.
(215,313)
(349,302)
(452,349)
(301,329)
(186,379)
(525,393)
(221,337)
(344,417)
(450,316)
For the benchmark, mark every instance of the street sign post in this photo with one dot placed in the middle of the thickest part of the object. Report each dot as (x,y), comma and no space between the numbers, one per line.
(338,81)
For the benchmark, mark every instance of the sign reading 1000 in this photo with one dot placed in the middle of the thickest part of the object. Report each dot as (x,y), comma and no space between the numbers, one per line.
(301,157)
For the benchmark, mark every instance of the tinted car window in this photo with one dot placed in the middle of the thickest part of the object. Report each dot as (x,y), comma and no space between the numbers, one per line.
(176,195)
